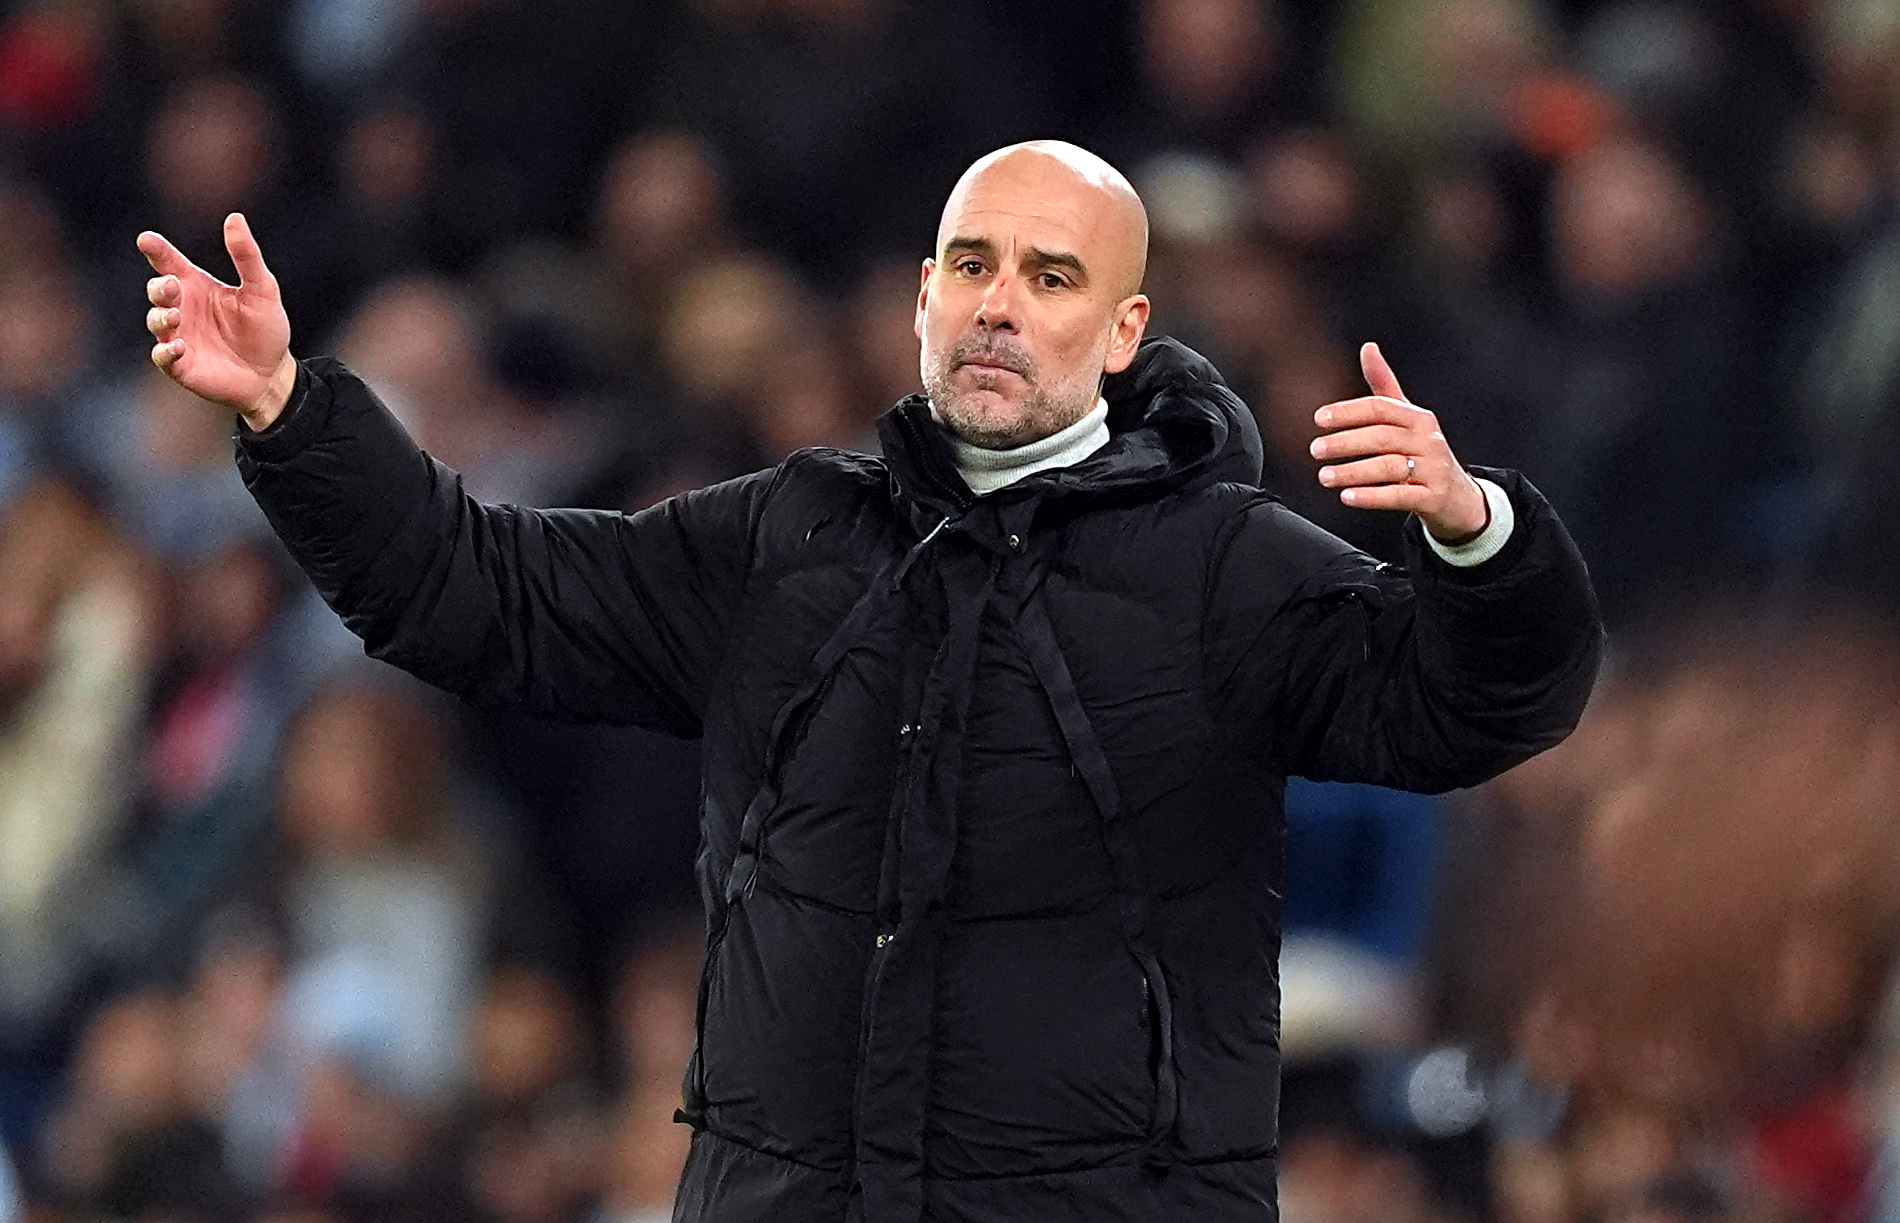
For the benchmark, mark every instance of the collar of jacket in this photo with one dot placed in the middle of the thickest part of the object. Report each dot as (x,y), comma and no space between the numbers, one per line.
(1172,422)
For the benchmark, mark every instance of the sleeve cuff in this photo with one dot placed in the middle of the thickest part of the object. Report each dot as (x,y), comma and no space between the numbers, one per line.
(1490,541)
(301,420)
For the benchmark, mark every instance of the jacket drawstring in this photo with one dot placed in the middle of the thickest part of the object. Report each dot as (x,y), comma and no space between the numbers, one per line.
(744,868)
(1118,836)
(742,871)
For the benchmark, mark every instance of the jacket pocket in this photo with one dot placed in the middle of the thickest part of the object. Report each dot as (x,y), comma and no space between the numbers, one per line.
(1161,1064)
(1044,1054)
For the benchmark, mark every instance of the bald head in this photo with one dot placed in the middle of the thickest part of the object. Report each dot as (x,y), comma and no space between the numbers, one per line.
(1057,176)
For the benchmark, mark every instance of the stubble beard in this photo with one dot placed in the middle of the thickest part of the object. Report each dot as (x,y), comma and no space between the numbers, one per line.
(1040,412)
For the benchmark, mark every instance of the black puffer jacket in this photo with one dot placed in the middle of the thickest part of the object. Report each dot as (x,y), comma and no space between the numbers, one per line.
(992,808)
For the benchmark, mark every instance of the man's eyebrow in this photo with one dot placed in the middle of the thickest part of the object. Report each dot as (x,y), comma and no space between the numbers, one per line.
(975,246)
(1035,256)
(1058,259)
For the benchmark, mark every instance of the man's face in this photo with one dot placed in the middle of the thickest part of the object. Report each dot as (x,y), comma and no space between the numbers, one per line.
(1030,300)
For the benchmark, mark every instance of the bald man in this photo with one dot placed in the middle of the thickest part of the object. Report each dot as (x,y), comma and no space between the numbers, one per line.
(996,723)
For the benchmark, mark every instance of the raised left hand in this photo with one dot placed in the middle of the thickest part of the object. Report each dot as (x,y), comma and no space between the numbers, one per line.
(229,344)
(1383,452)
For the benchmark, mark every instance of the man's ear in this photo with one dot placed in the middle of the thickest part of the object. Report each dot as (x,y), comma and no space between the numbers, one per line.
(923,298)
(1130,324)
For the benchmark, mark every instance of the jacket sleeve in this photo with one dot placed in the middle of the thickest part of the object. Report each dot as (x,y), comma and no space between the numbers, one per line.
(574,614)
(1339,667)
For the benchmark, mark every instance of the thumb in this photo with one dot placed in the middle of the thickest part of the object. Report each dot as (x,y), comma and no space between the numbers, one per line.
(1379,375)
(246,256)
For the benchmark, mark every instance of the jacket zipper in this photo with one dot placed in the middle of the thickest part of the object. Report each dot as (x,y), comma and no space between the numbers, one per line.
(932,463)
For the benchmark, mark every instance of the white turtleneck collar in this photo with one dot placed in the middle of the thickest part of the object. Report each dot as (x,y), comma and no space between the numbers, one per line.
(985,471)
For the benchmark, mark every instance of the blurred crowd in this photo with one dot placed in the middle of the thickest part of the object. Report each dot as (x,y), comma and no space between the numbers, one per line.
(286,939)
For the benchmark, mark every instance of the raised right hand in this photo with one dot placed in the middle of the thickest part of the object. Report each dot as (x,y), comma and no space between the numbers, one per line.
(1395,457)
(228,344)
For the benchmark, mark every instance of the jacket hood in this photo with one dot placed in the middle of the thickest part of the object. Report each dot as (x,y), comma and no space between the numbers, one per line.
(1172,422)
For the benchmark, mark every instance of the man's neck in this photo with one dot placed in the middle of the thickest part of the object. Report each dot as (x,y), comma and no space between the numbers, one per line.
(985,471)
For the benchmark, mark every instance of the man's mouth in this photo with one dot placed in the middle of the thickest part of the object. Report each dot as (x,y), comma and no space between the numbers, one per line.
(988,361)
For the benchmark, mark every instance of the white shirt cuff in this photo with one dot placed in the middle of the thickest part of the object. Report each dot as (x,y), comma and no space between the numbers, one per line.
(1490,541)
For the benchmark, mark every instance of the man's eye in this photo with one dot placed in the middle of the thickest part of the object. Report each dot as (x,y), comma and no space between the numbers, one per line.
(1052,281)
(971,267)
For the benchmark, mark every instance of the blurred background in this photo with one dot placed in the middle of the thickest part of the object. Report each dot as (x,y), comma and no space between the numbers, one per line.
(286,939)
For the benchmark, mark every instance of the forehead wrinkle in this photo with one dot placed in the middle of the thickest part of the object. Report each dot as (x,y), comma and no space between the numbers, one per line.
(962,242)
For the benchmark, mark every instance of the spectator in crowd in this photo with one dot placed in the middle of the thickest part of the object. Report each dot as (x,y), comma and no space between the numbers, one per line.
(526,1144)
(234,668)
(50,370)
(1642,439)
(382,899)
(653,1027)
(524,96)
(395,214)
(1214,76)
(78,623)
(218,142)
(661,211)
(124,1142)
(1845,393)
(426,339)
(849,159)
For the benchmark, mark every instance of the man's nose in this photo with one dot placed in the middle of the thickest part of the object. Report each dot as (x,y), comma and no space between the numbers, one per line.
(997,310)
